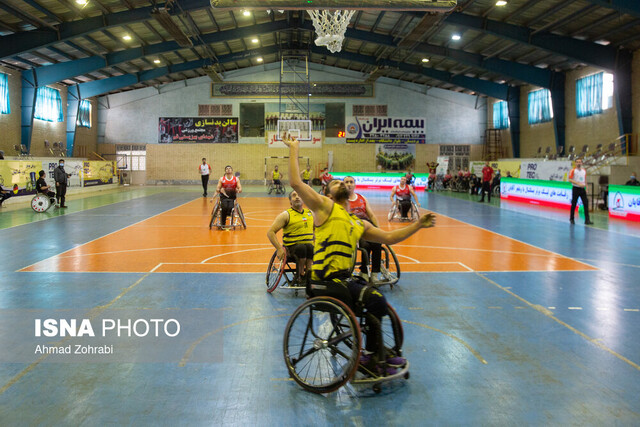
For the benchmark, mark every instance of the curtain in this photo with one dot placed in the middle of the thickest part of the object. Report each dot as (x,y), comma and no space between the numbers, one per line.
(540,106)
(500,115)
(84,114)
(4,94)
(48,105)
(589,95)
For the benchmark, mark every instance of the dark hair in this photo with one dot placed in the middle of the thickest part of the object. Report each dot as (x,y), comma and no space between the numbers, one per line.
(349,176)
(61,160)
(228,166)
(292,191)
(204,158)
(41,173)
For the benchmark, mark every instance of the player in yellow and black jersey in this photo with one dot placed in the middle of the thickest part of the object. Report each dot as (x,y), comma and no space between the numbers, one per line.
(336,235)
(296,224)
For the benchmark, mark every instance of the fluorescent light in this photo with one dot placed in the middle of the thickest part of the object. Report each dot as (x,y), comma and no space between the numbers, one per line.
(455,37)
(246,13)
(254,40)
(156,61)
(259,59)
(81,2)
(425,59)
(127,37)
(501,3)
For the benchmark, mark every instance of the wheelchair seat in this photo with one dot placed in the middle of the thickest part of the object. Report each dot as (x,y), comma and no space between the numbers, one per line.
(41,203)
(395,212)
(323,343)
(283,269)
(389,267)
(236,216)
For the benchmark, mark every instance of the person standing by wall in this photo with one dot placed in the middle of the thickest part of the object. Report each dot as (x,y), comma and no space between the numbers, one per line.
(205,171)
(578,177)
(487,174)
(633,180)
(62,181)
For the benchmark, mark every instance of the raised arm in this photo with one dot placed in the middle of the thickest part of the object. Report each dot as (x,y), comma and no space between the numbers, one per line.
(319,205)
(279,223)
(373,234)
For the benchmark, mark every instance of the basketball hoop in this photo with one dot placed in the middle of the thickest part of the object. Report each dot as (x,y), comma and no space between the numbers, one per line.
(330,28)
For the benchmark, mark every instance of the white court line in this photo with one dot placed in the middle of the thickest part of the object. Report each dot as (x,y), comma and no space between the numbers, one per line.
(412,259)
(479,250)
(465,266)
(157,249)
(236,252)
(108,234)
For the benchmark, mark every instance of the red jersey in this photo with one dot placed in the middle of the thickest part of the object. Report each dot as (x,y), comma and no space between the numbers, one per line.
(403,193)
(487,173)
(467,174)
(358,207)
(229,186)
(326,178)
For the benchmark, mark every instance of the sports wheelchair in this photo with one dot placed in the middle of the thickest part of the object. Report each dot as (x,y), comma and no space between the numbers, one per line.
(389,267)
(236,215)
(395,212)
(323,342)
(41,203)
(283,270)
(278,188)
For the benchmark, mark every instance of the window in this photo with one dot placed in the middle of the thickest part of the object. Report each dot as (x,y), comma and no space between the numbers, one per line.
(500,115)
(369,110)
(48,105)
(251,120)
(334,114)
(4,94)
(131,157)
(540,110)
(215,110)
(594,94)
(84,114)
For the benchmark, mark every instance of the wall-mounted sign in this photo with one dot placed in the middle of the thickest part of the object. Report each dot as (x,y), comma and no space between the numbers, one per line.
(198,129)
(386,130)
(624,202)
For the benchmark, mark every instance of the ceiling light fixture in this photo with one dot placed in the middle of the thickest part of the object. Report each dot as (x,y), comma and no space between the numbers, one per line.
(455,37)
(254,40)
(425,59)
(156,61)
(126,37)
(259,59)
(501,3)
(81,2)
(246,13)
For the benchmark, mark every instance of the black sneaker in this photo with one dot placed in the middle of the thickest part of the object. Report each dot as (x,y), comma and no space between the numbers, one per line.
(572,221)
(588,223)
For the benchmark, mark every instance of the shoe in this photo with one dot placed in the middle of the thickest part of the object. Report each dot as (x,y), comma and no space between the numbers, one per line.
(385,370)
(365,359)
(396,361)
(204,195)
(588,223)
(572,221)
(64,207)
(481,201)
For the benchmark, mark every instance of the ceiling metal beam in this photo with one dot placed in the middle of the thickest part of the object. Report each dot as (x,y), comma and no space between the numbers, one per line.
(630,7)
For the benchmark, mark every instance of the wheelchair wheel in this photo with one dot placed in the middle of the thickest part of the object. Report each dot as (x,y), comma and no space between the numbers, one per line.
(415,213)
(322,344)
(214,214)
(270,189)
(496,191)
(392,332)
(390,267)
(274,271)
(392,212)
(40,203)
(238,212)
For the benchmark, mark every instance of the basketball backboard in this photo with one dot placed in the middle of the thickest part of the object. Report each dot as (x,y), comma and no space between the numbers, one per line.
(419,5)
(301,129)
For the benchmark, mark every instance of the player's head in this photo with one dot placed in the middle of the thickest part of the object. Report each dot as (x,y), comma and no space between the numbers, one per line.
(41,174)
(403,180)
(276,168)
(228,170)
(204,160)
(337,191)
(295,200)
(350,183)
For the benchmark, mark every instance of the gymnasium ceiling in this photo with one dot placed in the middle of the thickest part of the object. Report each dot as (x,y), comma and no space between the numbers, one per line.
(523,42)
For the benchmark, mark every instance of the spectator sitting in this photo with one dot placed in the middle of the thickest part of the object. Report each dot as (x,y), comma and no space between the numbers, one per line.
(1,155)
(633,181)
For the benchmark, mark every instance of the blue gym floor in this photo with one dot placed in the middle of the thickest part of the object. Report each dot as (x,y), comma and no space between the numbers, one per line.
(497,348)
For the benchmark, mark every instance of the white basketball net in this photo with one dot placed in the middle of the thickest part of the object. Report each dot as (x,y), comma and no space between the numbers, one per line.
(330,28)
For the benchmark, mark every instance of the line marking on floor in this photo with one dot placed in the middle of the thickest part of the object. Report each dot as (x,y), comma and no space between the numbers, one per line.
(91,314)
(550,315)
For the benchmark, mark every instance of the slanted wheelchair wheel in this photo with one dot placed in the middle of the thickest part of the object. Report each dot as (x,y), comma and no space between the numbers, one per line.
(322,344)
(392,212)
(274,272)
(390,267)
(392,332)
(415,213)
(241,216)
(496,191)
(214,214)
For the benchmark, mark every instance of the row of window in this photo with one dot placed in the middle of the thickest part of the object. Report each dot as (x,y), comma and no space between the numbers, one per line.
(48,104)
(594,94)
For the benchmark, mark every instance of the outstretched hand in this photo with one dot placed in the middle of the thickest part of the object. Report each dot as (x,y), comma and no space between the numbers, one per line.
(289,140)
(427,220)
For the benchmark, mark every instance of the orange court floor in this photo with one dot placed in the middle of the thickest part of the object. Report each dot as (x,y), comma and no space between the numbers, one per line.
(179,241)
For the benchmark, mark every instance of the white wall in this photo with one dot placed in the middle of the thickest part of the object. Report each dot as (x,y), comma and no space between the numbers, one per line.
(133,116)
